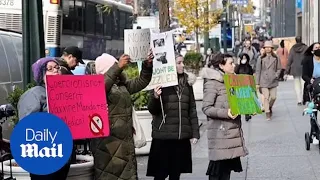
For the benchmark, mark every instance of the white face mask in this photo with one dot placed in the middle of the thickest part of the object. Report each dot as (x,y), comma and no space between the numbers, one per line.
(243,61)
(209,52)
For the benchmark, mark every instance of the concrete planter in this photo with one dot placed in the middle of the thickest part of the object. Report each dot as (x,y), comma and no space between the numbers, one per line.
(145,119)
(198,89)
(83,171)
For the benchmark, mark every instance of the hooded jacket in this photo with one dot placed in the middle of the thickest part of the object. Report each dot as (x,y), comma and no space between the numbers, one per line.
(243,69)
(296,55)
(180,119)
(225,136)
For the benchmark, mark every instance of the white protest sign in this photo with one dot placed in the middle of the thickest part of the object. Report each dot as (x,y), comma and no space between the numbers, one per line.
(164,63)
(137,43)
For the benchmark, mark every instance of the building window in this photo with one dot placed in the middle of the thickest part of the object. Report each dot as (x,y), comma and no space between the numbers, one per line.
(128,21)
(79,11)
(99,20)
(122,23)
(68,15)
(107,24)
(115,32)
(90,18)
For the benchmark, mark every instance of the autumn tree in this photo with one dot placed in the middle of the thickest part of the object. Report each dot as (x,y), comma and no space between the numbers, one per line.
(164,17)
(248,9)
(197,16)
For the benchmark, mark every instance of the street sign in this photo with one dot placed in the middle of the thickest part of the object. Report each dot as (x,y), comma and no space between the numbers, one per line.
(239,2)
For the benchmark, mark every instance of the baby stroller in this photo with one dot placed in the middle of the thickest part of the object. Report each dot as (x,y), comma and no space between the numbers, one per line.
(312,110)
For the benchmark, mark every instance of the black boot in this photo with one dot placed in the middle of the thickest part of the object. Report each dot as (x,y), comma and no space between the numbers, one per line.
(248,117)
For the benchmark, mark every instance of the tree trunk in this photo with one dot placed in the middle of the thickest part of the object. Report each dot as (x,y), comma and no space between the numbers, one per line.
(197,40)
(164,18)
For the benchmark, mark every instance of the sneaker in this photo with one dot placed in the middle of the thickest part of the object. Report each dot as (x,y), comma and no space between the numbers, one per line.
(315,141)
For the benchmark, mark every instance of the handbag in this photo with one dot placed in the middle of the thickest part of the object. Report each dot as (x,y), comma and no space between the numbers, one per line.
(138,134)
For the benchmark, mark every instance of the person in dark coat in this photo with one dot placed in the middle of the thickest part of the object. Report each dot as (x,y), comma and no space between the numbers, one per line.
(294,67)
(309,72)
(114,156)
(174,124)
(244,68)
(70,58)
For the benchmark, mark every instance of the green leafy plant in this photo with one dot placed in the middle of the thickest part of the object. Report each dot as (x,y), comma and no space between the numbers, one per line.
(13,99)
(192,62)
(140,99)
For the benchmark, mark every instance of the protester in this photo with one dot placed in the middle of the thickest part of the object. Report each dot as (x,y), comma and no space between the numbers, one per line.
(283,54)
(268,70)
(70,58)
(35,100)
(294,68)
(175,123)
(114,156)
(244,68)
(225,136)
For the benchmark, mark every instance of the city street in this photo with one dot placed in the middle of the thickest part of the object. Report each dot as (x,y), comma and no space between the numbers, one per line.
(276,148)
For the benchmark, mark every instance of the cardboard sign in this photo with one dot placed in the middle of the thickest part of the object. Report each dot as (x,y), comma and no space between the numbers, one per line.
(164,63)
(242,94)
(137,43)
(81,102)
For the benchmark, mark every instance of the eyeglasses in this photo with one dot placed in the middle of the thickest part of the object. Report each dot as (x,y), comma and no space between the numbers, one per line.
(51,69)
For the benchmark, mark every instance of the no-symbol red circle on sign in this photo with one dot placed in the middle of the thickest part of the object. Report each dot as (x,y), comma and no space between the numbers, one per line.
(96,124)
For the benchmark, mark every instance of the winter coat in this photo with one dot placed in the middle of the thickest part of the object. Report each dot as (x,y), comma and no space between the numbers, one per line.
(296,56)
(243,69)
(253,54)
(114,156)
(268,71)
(181,120)
(225,135)
(283,55)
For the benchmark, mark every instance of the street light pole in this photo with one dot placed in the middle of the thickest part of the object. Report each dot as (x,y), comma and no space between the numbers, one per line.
(224,23)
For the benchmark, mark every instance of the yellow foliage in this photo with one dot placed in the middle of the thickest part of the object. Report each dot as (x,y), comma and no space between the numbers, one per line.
(194,16)
(249,9)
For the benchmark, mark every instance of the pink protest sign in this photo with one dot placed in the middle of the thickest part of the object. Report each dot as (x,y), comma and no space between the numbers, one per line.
(81,102)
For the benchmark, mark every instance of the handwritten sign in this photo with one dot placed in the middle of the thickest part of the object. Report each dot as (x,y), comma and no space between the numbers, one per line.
(81,102)
(137,43)
(164,63)
(242,94)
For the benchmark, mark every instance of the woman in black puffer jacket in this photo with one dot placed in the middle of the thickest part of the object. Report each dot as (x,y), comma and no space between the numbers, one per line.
(173,127)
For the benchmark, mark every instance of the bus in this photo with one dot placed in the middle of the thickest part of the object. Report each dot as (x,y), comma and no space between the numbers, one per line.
(95,26)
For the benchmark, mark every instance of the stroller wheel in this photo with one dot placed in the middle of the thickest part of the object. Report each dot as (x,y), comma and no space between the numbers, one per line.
(307,140)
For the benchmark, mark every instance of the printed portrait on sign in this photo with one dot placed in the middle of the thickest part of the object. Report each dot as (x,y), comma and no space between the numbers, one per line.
(162,57)
(158,43)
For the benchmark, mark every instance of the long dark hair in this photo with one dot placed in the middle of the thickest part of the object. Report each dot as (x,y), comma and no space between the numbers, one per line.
(282,46)
(309,50)
(247,57)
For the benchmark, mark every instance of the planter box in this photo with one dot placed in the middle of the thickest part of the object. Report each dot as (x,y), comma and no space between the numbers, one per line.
(198,89)
(145,119)
(83,171)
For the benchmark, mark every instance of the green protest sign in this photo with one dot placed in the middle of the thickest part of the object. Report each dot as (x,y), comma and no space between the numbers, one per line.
(242,94)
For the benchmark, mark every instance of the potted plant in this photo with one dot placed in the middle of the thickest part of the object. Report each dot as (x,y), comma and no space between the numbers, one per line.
(140,101)
(193,64)
(81,170)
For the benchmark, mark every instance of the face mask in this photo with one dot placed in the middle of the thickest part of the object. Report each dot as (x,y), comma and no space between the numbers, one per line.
(243,61)
(209,52)
(317,52)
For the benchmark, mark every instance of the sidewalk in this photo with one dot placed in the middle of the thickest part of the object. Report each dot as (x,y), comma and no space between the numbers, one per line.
(276,148)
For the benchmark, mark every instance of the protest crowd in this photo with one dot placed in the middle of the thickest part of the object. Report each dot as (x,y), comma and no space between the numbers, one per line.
(172,103)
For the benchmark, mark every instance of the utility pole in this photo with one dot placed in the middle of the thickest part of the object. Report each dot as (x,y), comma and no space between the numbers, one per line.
(207,29)
(224,23)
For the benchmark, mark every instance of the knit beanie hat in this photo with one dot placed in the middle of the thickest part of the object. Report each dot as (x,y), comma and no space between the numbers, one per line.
(39,68)
(104,62)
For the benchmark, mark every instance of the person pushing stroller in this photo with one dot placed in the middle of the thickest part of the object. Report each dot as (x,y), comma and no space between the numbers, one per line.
(244,68)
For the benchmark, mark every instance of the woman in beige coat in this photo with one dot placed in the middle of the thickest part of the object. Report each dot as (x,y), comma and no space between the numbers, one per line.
(268,70)
(225,136)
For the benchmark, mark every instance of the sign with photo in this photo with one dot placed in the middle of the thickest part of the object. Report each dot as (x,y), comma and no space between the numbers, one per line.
(164,63)
(137,43)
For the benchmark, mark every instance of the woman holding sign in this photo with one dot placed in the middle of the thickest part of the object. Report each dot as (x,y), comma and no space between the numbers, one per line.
(35,100)
(174,125)
(114,156)
(225,136)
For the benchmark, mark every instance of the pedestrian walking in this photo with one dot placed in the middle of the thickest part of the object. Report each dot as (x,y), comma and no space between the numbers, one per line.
(207,57)
(283,54)
(310,67)
(174,125)
(244,68)
(225,137)
(71,57)
(267,76)
(251,51)
(114,156)
(35,100)
(294,68)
